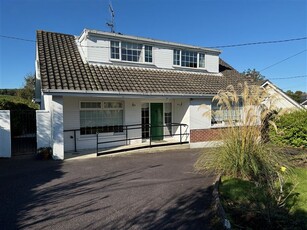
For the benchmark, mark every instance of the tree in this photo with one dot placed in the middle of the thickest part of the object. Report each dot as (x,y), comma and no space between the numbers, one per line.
(297,96)
(27,92)
(253,73)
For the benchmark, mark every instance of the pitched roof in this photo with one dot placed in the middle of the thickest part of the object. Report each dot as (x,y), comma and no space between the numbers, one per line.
(61,68)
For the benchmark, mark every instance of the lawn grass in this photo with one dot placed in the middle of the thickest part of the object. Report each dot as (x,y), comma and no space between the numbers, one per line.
(247,206)
(300,174)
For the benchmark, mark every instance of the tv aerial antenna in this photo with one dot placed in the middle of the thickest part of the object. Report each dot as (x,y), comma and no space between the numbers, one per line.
(111,23)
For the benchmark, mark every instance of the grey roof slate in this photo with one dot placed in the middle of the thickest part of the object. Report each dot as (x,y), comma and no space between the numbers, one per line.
(61,68)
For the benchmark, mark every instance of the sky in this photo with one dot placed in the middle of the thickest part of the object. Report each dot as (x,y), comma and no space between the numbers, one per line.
(206,23)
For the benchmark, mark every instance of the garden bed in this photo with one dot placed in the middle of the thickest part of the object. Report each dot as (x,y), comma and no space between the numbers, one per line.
(247,206)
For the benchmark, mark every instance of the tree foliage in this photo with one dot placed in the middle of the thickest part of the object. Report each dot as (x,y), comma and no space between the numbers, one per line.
(296,96)
(254,74)
(28,90)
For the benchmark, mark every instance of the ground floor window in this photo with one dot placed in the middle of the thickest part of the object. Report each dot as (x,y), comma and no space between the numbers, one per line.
(102,117)
(145,120)
(168,119)
(225,116)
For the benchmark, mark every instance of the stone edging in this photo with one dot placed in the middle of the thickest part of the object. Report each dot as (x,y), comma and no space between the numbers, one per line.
(218,205)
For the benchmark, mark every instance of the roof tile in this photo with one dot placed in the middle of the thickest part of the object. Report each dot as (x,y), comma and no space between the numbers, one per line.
(61,67)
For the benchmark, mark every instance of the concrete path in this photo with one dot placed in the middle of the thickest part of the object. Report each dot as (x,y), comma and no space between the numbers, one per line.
(136,191)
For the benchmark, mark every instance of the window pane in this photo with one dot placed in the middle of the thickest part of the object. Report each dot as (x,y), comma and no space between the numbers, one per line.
(168,118)
(113,104)
(131,51)
(148,53)
(90,105)
(114,50)
(189,59)
(176,57)
(202,60)
(223,115)
(145,120)
(94,119)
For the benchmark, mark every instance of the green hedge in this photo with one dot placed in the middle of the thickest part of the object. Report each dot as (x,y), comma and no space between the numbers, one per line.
(291,129)
(16,103)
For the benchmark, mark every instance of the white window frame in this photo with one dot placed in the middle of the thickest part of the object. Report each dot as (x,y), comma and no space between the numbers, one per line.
(142,55)
(180,59)
(223,122)
(102,108)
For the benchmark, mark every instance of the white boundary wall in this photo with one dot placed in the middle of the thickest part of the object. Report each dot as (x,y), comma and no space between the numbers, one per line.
(5,134)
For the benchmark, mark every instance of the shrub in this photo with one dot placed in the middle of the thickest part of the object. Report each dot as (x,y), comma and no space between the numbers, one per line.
(243,153)
(291,129)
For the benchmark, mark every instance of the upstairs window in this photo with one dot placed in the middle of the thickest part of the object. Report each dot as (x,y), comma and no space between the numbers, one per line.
(190,59)
(148,53)
(114,50)
(131,52)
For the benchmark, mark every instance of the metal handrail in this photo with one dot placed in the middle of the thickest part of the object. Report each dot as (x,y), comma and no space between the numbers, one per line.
(127,128)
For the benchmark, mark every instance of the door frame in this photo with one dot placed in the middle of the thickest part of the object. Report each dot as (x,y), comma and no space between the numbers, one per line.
(157,133)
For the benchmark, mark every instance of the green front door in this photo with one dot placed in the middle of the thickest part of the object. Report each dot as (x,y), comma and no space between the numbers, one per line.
(156,116)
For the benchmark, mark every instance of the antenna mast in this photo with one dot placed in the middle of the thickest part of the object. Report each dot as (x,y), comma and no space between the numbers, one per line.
(111,24)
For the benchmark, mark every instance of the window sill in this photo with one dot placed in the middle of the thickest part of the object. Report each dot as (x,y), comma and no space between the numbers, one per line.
(177,67)
(104,135)
(216,126)
(132,63)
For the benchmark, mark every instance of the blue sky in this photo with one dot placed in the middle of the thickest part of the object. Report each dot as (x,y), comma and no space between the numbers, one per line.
(203,23)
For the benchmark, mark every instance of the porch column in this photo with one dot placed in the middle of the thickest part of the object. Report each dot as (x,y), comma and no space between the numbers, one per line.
(57,128)
(5,133)
(43,132)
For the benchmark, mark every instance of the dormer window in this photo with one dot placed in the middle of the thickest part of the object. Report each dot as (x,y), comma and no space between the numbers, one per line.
(131,52)
(190,59)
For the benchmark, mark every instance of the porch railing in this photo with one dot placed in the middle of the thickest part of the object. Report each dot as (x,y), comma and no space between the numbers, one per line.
(151,138)
(102,141)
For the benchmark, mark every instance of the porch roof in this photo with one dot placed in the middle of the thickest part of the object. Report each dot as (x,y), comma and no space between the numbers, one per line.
(62,70)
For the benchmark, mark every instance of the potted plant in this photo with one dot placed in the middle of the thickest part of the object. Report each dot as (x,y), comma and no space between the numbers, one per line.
(44,153)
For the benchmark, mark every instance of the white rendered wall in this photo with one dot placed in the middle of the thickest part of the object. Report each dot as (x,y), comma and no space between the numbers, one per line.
(46,102)
(200,113)
(281,101)
(57,128)
(43,124)
(212,63)
(5,133)
(181,111)
(72,121)
(132,115)
(94,54)
(163,57)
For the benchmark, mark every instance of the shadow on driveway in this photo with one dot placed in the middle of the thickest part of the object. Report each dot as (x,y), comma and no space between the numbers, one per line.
(142,191)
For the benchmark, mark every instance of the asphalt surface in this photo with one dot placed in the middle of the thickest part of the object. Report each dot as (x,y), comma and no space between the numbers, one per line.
(137,191)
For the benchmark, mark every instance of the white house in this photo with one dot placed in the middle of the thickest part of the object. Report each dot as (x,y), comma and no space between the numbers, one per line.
(304,104)
(131,90)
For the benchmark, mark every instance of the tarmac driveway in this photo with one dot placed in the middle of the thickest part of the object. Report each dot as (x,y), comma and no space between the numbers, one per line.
(136,191)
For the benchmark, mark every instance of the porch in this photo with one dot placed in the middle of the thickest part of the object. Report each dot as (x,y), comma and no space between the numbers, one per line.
(129,138)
